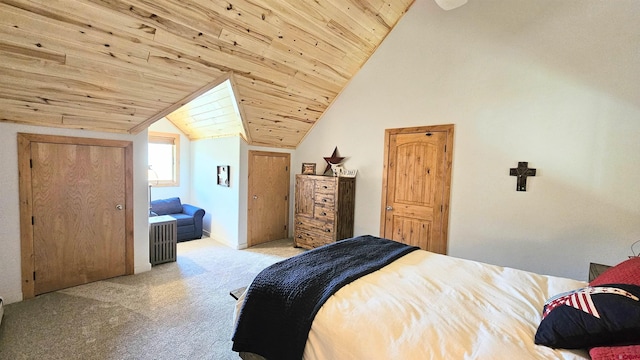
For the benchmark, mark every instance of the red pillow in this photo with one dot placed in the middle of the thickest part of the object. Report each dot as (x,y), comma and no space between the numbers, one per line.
(615,352)
(627,272)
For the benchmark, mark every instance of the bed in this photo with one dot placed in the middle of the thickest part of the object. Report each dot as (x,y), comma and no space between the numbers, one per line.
(418,305)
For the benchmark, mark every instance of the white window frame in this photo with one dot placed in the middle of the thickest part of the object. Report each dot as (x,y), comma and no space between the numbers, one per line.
(167,138)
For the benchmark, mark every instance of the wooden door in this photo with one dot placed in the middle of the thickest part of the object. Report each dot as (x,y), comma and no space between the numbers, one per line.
(416,183)
(78,228)
(268,204)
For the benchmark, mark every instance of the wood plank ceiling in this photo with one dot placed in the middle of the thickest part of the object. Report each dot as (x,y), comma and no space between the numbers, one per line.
(120,65)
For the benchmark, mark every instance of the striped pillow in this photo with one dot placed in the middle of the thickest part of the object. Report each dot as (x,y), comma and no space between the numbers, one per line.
(603,315)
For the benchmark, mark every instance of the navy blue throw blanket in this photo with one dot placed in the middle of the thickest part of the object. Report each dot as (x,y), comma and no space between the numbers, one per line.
(283,299)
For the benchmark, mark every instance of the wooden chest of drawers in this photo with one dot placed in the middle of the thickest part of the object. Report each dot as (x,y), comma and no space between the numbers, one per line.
(324,209)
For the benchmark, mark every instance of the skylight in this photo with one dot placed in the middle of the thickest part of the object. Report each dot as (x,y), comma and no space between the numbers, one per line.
(213,114)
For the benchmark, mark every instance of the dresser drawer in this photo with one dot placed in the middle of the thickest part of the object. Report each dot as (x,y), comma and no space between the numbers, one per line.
(310,240)
(325,186)
(327,200)
(314,225)
(324,213)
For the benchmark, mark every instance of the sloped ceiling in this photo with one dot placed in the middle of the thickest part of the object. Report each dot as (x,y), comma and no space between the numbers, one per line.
(120,65)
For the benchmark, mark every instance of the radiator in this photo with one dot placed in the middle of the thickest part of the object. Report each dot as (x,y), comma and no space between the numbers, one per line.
(162,239)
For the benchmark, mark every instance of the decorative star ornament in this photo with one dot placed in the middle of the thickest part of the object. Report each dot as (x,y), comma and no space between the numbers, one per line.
(334,159)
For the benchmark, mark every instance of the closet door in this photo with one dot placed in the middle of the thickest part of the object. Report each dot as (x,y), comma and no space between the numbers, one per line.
(268,203)
(79,222)
(76,211)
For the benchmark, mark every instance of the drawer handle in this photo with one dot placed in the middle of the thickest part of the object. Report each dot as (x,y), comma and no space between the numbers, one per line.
(324,200)
(299,223)
(325,186)
(299,236)
(323,214)
(328,230)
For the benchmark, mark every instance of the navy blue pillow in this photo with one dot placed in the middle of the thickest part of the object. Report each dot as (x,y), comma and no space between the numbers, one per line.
(607,314)
(166,206)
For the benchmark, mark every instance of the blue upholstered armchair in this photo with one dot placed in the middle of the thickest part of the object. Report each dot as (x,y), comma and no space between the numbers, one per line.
(188,217)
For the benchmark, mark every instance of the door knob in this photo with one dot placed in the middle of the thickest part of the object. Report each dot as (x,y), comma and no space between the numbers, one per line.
(255,197)
(389,208)
(119,207)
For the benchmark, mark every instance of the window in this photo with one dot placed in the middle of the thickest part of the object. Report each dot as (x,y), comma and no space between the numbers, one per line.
(164,159)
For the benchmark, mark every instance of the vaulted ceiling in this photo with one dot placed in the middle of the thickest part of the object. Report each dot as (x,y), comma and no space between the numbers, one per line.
(120,65)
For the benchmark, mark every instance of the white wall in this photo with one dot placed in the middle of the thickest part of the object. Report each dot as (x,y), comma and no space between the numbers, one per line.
(10,276)
(221,203)
(183,189)
(540,81)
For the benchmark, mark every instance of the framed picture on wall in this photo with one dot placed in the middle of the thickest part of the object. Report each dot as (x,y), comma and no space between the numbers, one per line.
(223,175)
(308,168)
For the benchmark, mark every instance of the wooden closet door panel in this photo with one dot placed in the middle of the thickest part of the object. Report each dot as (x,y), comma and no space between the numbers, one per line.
(268,203)
(78,214)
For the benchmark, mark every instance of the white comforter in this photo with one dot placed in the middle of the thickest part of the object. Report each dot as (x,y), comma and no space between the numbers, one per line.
(430,306)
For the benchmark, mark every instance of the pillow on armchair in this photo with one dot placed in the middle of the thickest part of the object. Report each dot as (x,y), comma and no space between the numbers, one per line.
(166,206)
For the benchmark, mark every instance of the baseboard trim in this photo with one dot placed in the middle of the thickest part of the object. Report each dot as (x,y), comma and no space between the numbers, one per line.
(10,298)
(143,268)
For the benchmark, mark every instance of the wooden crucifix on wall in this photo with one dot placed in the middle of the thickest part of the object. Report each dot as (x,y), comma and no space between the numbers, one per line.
(522,171)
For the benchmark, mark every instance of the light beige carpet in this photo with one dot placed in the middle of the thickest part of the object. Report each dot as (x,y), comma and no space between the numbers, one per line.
(178,310)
